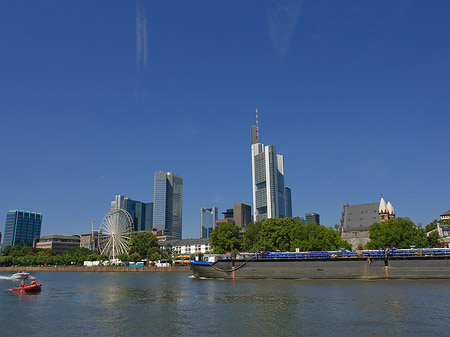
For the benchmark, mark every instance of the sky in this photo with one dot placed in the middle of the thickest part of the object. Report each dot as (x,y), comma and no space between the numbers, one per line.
(96,96)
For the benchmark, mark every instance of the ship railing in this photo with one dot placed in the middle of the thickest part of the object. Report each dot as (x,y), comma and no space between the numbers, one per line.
(380,253)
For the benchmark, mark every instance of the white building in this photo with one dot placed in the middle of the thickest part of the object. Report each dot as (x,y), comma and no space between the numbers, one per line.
(189,246)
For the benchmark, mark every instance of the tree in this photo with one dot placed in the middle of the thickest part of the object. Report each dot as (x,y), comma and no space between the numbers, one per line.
(144,244)
(225,238)
(434,240)
(155,256)
(123,257)
(399,233)
(250,238)
(274,234)
(167,252)
(103,257)
(314,237)
(135,257)
(431,226)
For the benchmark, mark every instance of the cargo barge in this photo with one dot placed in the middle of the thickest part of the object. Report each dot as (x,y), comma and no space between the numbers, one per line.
(387,263)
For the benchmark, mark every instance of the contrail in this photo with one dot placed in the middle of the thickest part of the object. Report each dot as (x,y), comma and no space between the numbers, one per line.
(141,36)
(282,20)
(138,35)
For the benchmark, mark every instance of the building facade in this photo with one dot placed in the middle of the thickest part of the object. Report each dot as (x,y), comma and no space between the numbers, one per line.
(89,241)
(59,243)
(22,227)
(445,216)
(188,246)
(269,199)
(141,212)
(287,193)
(208,217)
(312,217)
(168,203)
(242,215)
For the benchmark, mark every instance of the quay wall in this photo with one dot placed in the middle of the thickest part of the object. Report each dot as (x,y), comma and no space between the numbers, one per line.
(150,269)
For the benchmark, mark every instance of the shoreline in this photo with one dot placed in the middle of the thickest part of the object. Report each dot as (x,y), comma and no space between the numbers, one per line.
(178,269)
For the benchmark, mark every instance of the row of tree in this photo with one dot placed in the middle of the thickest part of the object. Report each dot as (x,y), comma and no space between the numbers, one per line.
(144,246)
(27,256)
(290,234)
(276,234)
(402,233)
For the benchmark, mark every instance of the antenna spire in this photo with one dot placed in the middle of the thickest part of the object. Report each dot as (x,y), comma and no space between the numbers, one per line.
(257,127)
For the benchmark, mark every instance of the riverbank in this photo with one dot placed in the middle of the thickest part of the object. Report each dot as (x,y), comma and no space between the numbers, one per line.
(150,269)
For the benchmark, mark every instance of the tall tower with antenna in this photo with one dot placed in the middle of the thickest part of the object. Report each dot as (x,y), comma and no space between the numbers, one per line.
(255,131)
(269,193)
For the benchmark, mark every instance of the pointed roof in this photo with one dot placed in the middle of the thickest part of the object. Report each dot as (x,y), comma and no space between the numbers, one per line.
(390,208)
(383,207)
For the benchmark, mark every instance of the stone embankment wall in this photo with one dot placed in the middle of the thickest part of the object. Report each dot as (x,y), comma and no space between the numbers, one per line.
(178,269)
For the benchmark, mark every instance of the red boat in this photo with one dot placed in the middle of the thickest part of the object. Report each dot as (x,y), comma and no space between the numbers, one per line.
(29,288)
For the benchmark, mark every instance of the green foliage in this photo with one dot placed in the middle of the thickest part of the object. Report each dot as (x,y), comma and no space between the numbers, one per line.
(27,256)
(167,253)
(103,257)
(433,240)
(145,244)
(289,234)
(399,233)
(431,226)
(225,238)
(155,256)
(314,237)
(250,239)
(123,257)
(277,234)
(135,257)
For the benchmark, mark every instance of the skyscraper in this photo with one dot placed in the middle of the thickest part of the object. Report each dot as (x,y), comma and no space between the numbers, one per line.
(312,217)
(242,215)
(22,227)
(287,193)
(208,217)
(267,179)
(168,203)
(141,212)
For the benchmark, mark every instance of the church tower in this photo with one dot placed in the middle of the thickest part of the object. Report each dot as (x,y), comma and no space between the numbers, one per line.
(383,211)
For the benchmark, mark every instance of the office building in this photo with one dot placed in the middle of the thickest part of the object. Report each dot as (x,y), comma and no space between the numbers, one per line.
(287,193)
(227,218)
(168,203)
(269,200)
(22,227)
(141,212)
(89,241)
(312,217)
(242,215)
(59,243)
(208,217)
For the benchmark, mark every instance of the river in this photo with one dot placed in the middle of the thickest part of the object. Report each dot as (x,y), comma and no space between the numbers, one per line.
(173,304)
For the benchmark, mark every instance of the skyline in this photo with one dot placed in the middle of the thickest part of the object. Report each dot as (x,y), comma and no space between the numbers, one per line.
(95,98)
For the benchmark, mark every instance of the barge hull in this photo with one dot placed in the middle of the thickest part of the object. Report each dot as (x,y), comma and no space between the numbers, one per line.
(376,268)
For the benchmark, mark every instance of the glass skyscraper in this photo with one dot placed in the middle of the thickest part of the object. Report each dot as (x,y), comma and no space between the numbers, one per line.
(22,227)
(269,193)
(141,212)
(168,203)
(208,217)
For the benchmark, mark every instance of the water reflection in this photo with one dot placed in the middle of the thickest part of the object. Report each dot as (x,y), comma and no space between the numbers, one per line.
(164,304)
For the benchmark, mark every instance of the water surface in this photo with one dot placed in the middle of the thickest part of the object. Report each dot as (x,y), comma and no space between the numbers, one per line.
(173,304)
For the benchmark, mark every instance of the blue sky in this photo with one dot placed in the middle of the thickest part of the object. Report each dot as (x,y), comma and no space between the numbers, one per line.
(97,96)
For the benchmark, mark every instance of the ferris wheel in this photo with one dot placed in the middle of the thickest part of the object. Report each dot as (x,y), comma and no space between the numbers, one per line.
(115,234)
